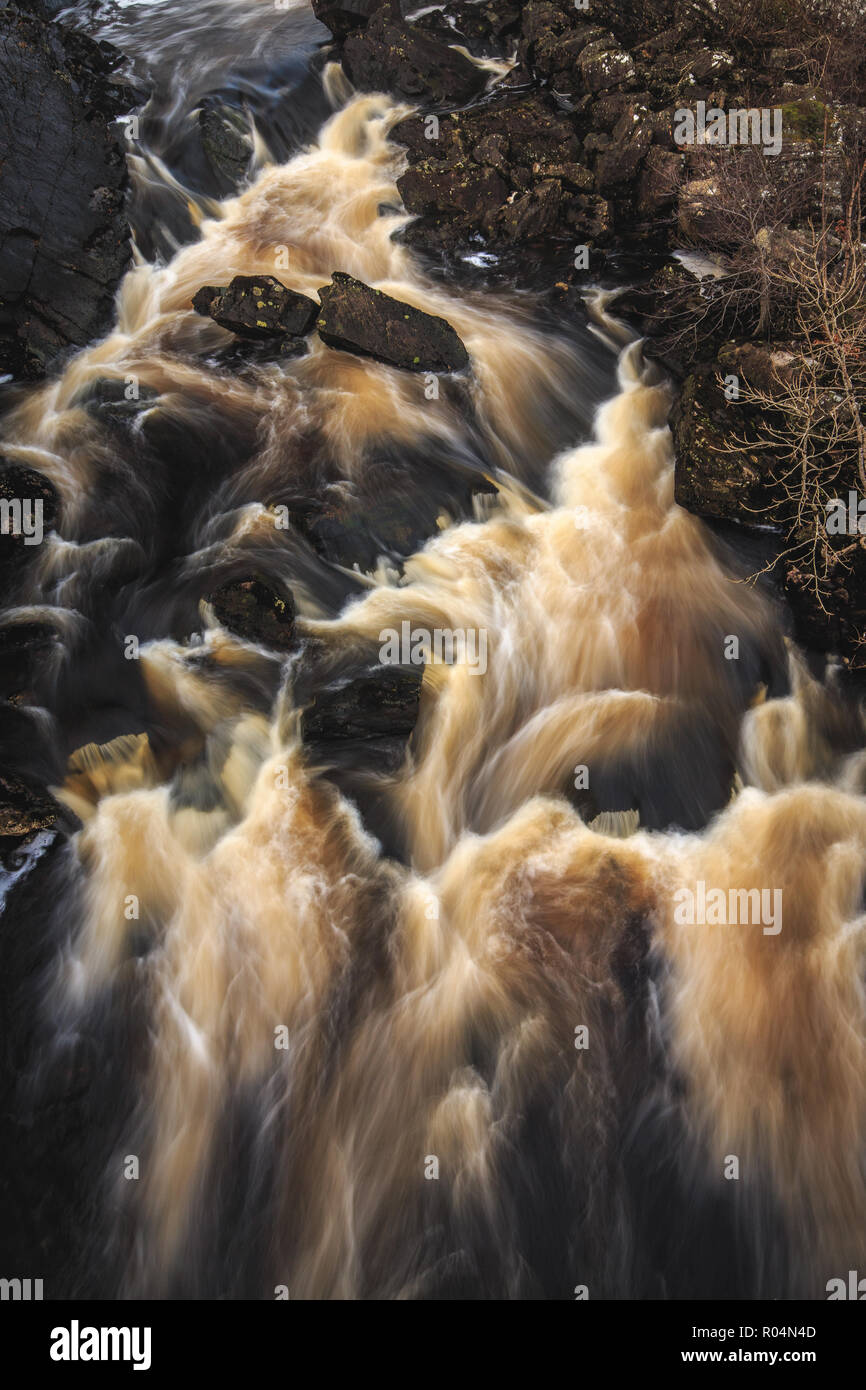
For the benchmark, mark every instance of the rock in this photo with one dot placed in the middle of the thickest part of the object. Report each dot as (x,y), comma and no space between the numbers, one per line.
(345,15)
(465,197)
(251,609)
(381,703)
(21,646)
(394,56)
(64,237)
(356,318)
(603,64)
(257,306)
(536,213)
(226,144)
(28,511)
(711,478)
(24,808)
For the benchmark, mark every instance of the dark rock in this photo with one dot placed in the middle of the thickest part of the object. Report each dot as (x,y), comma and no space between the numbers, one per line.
(465,195)
(64,237)
(533,215)
(257,306)
(603,64)
(226,144)
(394,56)
(712,478)
(381,703)
(342,16)
(21,646)
(254,611)
(362,320)
(28,511)
(24,808)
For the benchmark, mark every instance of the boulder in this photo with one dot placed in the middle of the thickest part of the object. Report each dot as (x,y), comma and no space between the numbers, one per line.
(356,318)
(254,611)
(342,16)
(226,143)
(257,306)
(394,56)
(28,511)
(383,702)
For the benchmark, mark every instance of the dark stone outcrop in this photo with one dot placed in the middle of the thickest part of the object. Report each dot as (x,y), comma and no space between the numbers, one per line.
(258,307)
(342,16)
(356,318)
(64,237)
(395,56)
(253,610)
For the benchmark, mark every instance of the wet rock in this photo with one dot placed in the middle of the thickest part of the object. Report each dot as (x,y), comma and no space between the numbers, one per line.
(21,646)
(226,144)
(356,318)
(64,237)
(28,511)
(257,306)
(395,56)
(342,16)
(381,703)
(253,610)
(24,808)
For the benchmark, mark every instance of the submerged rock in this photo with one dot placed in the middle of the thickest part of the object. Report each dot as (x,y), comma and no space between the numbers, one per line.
(356,318)
(382,703)
(251,609)
(64,236)
(257,306)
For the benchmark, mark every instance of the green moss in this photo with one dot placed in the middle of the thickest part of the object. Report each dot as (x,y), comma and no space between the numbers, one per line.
(804,120)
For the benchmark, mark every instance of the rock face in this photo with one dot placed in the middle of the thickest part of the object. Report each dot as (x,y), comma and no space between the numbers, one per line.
(64,238)
(345,15)
(365,321)
(254,611)
(258,307)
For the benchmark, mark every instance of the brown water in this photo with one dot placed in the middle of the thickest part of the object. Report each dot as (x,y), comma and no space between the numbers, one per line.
(358,1072)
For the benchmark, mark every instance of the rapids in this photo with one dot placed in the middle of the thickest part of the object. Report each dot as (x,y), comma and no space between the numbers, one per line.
(299,1005)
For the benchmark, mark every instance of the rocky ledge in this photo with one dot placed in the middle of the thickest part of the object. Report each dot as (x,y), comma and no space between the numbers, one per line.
(555,139)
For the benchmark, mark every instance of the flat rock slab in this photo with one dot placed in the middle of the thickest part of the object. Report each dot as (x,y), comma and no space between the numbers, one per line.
(356,318)
(64,237)
(257,306)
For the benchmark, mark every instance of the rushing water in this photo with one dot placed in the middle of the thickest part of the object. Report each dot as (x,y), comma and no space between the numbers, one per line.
(427,984)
